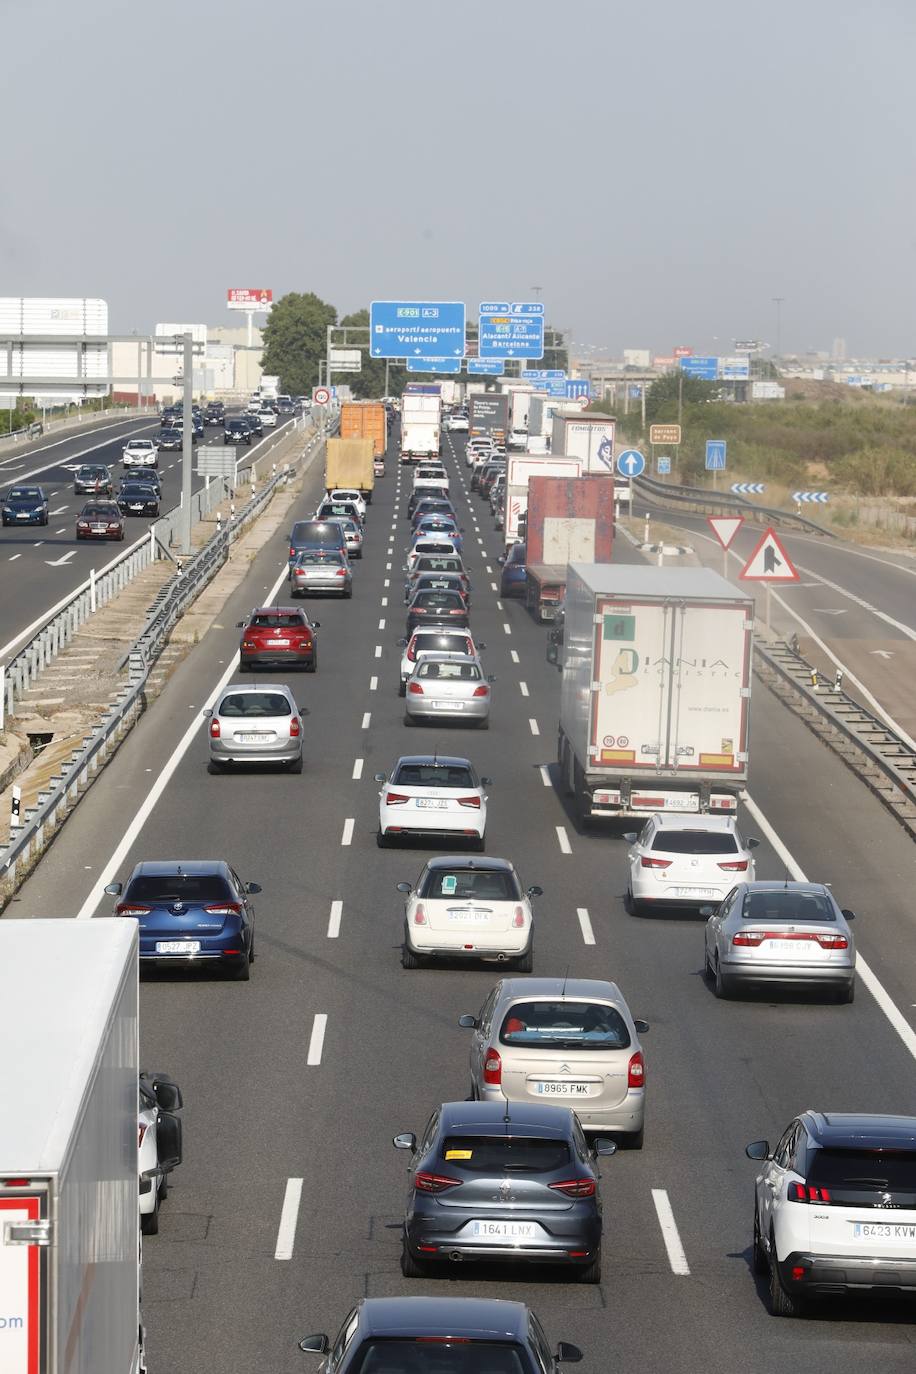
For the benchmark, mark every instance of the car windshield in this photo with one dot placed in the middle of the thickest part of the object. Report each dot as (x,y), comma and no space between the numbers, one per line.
(882,1170)
(25,494)
(93,472)
(565,1025)
(784,904)
(434,775)
(496,1154)
(251,704)
(178,887)
(471,884)
(107,512)
(695,842)
(287,620)
(449,672)
(434,599)
(140,443)
(237,424)
(134,491)
(435,1355)
(312,557)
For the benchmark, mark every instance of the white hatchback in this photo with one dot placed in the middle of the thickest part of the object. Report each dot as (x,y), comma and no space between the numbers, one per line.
(432,794)
(349,494)
(430,475)
(468,909)
(686,861)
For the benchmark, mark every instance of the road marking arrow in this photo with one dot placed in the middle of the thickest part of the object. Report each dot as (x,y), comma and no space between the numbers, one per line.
(60,562)
(881,653)
(822,610)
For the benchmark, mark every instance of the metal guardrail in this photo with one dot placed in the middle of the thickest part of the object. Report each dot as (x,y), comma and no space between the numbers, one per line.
(724,500)
(64,789)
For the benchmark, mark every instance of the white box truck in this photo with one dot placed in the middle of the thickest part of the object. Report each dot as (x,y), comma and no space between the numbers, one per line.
(587,437)
(517,473)
(421,417)
(69,1218)
(656,694)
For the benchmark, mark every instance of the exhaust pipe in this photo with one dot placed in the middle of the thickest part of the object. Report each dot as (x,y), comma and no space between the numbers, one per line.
(455,1255)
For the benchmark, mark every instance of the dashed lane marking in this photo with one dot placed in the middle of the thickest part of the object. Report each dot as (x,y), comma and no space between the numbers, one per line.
(563,839)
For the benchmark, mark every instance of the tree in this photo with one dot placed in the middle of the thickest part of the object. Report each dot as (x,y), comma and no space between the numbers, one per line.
(295,337)
(673,389)
(369,384)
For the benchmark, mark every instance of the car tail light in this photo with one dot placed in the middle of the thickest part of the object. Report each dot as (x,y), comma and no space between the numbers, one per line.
(415,689)
(434,1183)
(807,1192)
(396,798)
(738,866)
(827,941)
(292,551)
(636,1071)
(419,915)
(518,919)
(575,1187)
(305,643)
(469,801)
(214,729)
(481,691)
(129,909)
(753,938)
(412,653)
(493,1068)
(248,644)
(223,909)
(142,1128)
(341,572)
(648,862)
(295,727)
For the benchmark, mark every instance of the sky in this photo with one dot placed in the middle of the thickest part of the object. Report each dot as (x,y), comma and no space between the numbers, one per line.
(661,171)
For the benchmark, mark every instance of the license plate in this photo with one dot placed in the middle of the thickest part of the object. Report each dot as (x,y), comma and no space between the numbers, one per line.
(680,804)
(448,705)
(177,946)
(695,892)
(253,739)
(21,515)
(562,1089)
(469,914)
(431,804)
(505,1230)
(99,529)
(276,644)
(877,1230)
(137,505)
(803,948)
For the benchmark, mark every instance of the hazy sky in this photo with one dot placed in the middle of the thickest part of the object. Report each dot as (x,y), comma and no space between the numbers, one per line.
(661,169)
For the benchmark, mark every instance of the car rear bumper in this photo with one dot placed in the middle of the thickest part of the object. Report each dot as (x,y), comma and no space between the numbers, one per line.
(471,944)
(292,659)
(628,1115)
(446,710)
(829,975)
(339,585)
(224,751)
(840,1273)
(584,1241)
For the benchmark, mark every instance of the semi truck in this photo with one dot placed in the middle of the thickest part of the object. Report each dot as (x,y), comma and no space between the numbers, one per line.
(518,472)
(488,415)
(69,1214)
(569,520)
(269,387)
(589,438)
(421,417)
(350,463)
(541,411)
(656,691)
(365,420)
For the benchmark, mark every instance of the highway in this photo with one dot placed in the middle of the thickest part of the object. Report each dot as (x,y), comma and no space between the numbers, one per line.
(42,565)
(277,1097)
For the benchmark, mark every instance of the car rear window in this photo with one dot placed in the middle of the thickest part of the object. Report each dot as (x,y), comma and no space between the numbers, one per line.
(311,557)
(449,672)
(864,1171)
(442,564)
(439,599)
(695,842)
(288,621)
(442,644)
(438,1355)
(327,532)
(518,1154)
(518,553)
(476,884)
(178,887)
(434,775)
(252,704)
(565,1025)
(782,904)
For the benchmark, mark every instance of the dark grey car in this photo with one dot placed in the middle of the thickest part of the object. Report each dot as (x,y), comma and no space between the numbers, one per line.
(491,1181)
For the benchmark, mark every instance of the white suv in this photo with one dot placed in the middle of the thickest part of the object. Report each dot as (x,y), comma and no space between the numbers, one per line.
(835,1207)
(686,861)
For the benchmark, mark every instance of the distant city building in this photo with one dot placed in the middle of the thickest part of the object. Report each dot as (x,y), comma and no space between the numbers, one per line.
(838,352)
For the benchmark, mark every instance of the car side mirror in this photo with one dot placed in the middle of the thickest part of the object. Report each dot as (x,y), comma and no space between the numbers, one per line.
(468,1022)
(480,644)
(758,1149)
(753,844)
(401,643)
(707,911)
(206,713)
(491,677)
(501,558)
(253,888)
(641,1026)
(316,624)
(114,889)
(567,1353)
(405,888)
(405,1141)
(630,837)
(315,1345)
(486,782)
(167,1094)
(240,624)
(380,777)
(535,891)
(850,915)
(605,1147)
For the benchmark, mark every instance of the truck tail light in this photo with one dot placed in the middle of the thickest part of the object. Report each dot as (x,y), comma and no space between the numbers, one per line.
(636,1071)
(493,1068)
(648,862)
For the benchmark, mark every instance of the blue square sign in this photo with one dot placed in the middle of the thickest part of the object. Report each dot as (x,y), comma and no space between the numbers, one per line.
(417,329)
(715,455)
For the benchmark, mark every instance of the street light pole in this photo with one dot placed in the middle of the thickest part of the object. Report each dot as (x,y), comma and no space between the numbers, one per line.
(187,435)
(777,301)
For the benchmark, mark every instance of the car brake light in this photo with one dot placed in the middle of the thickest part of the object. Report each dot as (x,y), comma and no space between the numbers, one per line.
(738,866)
(636,1071)
(518,920)
(807,1192)
(481,691)
(753,938)
(214,729)
(575,1187)
(469,801)
(396,798)
(412,653)
(419,915)
(827,941)
(434,1183)
(249,644)
(223,909)
(647,862)
(142,1128)
(128,909)
(295,727)
(341,572)
(415,689)
(493,1068)
(305,643)
(292,551)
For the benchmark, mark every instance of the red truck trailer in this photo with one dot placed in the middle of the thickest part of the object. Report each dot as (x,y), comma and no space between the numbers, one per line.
(570,520)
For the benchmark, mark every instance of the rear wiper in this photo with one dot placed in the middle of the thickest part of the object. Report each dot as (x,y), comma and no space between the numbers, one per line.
(877,1182)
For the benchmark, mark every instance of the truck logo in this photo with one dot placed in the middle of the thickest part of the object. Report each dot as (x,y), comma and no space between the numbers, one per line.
(605,452)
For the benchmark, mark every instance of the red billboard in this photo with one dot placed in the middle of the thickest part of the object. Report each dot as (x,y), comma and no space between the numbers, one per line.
(682,351)
(249,298)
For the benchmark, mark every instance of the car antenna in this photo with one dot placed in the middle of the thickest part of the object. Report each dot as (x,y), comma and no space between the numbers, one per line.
(565,976)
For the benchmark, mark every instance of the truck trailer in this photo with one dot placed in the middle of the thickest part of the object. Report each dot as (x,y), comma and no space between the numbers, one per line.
(350,463)
(590,438)
(569,520)
(488,416)
(365,420)
(656,689)
(519,471)
(421,416)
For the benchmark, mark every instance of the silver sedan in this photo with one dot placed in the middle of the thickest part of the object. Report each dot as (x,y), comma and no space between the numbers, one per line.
(780,932)
(321,570)
(255,725)
(450,687)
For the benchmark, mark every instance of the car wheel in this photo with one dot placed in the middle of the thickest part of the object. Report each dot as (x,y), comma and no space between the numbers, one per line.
(411,1268)
(759,1261)
(251,951)
(484,724)
(402,689)
(149,1221)
(164,1188)
(409,720)
(591,1273)
(214,766)
(847,994)
(722,985)
(348,594)
(242,970)
(296,765)
(382,840)
(633,1140)
(525,963)
(312,667)
(479,845)
(782,1304)
(408,958)
(631,904)
(708,972)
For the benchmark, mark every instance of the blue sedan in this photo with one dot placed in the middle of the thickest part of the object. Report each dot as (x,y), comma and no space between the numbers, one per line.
(190,911)
(514,579)
(25,506)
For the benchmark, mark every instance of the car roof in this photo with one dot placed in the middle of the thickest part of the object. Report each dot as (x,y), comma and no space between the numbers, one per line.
(862,1130)
(507,1118)
(573,989)
(168,867)
(483,1319)
(668,822)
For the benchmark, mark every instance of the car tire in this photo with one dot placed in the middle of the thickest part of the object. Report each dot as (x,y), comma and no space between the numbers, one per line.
(631,904)
(760,1263)
(164,1188)
(782,1304)
(214,766)
(708,971)
(411,1268)
(408,958)
(296,765)
(525,963)
(847,994)
(633,1140)
(409,720)
(402,689)
(721,983)
(242,970)
(312,667)
(348,594)
(381,839)
(484,724)
(149,1221)
(590,1273)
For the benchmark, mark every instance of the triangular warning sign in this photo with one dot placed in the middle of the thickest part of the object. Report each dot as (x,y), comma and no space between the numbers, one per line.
(725,527)
(769,562)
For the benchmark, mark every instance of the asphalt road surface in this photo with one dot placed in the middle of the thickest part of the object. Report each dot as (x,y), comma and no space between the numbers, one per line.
(301,1077)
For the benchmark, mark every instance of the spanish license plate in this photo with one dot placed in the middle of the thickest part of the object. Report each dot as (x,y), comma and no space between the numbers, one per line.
(177,946)
(276,643)
(431,804)
(877,1230)
(137,505)
(99,529)
(448,705)
(802,948)
(561,1088)
(504,1230)
(252,739)
(469,914)
(695,892)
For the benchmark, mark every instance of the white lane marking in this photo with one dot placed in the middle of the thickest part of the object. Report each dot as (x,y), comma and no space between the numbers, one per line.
(523,688)
(334,920)
(588,935)
(544,770)
(387,582)
(384,603)
(366,719)
(381,623)
(563,839)
(39,544)
(378,651)
(513,655)
(479,540)
(347,835)
(489,569)
(388,567)
(13,556)
(289,1216)
(373,684)
(533,726)
(60,510)
(863,969)
(676,1257)
(493,587)
(390,550)
(507,627)
(68,458)
(316,1040)
(61,531)
(499,605)
(357,769)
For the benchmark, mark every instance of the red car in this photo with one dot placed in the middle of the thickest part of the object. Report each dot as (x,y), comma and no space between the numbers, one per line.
(278,634)
(100,520)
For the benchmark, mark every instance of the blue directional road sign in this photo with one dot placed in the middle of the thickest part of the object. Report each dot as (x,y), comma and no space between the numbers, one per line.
(541,374)
(486,367)
(577,387)
(631,462)
(417,329)
(706,369)
(512,329)
(433,364)
(663,466)
(715,455)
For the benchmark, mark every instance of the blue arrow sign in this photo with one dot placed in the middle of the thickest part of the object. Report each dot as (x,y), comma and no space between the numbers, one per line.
(417,329)
(486,367)
(512,329)
(662,466)
(434,364)
(631,462)
(715,455)
(577,387)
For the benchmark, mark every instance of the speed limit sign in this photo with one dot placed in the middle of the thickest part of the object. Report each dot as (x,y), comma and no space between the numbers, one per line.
(320,395)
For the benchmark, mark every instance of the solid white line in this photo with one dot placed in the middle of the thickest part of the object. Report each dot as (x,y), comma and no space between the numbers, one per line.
(381,623)
(676,1257)
(366,719)
(513,655)
(316,1041)
(357,769)
(864,970)
(347,836)
(373,684)
(588,935)
(563,839)
(289,1215)
(533,726)
(523,688)
(378,651)
(544,770)
(334,920)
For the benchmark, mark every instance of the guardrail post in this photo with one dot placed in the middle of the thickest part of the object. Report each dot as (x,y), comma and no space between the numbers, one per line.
(92,589)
